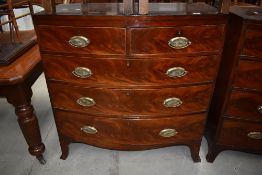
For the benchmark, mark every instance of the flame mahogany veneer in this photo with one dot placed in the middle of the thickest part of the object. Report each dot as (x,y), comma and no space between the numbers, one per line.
(129,57)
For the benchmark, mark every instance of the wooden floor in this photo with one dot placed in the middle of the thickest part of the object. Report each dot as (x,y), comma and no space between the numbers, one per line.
(25,36)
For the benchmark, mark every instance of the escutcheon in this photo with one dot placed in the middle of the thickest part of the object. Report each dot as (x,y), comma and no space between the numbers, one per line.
(168,132)
(179,42)
(79,41)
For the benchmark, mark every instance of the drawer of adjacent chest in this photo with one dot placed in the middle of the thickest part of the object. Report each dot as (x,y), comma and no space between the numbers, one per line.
(99,41)
(241,134)
(253,42)
(133,134)
(125,102)
(245,105)
(119,72)
(174,40)
(249,75)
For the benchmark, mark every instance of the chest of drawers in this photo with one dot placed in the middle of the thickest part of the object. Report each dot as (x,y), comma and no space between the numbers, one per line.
(131,82)
(235,117)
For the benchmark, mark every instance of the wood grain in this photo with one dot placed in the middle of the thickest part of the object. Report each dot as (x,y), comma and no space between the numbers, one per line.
(155,40)
(244,105)
(109,72)
(129,134)
(131,102)
(103,41)
(249,75)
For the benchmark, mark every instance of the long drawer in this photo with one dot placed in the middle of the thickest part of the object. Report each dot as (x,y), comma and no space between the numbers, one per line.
(100,41)
(175,40)
(120,72)
(245,105)
(115,133)
(249,75)
(131,102)
(241,134)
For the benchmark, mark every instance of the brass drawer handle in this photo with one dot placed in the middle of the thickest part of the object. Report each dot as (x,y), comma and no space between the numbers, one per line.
(172,102)
(168,132)
(79,41)
(82,72)
(255,135)
(86,101)
(176,72)
(259,109)
(89,129)
(179,42)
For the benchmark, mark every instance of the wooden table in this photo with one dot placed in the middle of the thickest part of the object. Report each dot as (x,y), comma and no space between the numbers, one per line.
(16,80)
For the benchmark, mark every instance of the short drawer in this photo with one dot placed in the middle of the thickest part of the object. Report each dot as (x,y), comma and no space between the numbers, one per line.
(241,134)
(121,72)
(98,41)
(175,40)
(245,105)
(131,102)
(252,43)
(115,133)
(249,75)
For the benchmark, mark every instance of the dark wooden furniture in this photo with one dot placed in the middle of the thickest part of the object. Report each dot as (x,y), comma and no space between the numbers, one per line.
(131,82)
(235,117)
(16,80)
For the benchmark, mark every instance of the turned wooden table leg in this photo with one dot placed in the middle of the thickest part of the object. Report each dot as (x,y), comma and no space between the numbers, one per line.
(21,99)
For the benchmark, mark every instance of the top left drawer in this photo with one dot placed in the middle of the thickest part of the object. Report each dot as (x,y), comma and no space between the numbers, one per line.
(82,40)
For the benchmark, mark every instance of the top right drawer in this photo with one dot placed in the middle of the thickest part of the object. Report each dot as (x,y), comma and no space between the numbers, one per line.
(253,42)
(206,39)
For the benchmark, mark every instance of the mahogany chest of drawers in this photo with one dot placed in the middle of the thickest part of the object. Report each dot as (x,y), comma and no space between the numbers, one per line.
(235,117)
(131,82)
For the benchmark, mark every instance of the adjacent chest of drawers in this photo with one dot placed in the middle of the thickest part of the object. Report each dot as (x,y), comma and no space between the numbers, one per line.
(130,82)
(235,117)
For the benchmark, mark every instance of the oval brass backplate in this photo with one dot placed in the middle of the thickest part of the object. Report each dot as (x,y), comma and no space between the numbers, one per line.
(168,132)
(89,129)
(79,41)
(255,135)
(176,72)
(82,72)
(179,42)
(86,101)
(172,102)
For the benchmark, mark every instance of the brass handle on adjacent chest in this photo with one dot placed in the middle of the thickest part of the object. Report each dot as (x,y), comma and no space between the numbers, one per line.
(89,129)
(86,101)
(172,102)
(82,72)
(168,132)
(259,109)
(79,41)
(176,72)
(179,42)
(255,135)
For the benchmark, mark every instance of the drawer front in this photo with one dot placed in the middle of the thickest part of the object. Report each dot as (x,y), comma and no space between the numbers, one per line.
(249,75)
(126,102)
(156,40)
(118,133)
(241,134)
(102,41)
(245,105)
(120,72)
(253,42)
